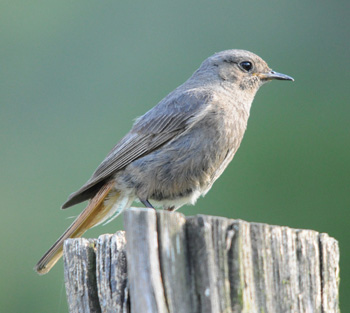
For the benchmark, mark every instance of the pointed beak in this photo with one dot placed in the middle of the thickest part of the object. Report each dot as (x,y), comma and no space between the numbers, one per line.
(274,75)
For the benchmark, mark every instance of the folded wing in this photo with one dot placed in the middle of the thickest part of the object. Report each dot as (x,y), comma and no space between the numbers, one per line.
(171,117)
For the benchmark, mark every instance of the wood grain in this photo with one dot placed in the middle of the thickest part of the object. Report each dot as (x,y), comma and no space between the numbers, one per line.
(202,264)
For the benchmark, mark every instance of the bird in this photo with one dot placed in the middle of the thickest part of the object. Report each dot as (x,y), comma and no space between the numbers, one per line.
(176,151)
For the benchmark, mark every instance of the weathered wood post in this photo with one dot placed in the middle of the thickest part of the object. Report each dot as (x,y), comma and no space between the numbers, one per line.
(167,263)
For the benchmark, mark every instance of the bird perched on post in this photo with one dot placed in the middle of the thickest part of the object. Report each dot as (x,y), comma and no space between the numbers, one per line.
(174,153)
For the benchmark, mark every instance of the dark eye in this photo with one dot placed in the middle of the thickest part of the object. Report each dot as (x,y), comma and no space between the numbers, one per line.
(246,65)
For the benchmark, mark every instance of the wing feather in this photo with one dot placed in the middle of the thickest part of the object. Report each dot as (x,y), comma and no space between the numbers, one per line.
(161,124)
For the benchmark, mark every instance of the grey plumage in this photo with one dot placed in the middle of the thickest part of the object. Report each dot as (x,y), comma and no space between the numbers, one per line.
(182,145)
(174,153)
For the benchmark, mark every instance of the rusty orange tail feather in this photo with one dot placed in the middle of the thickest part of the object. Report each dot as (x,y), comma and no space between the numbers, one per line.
(95,211)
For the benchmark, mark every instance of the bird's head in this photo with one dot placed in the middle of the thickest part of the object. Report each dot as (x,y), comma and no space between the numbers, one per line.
(241,68)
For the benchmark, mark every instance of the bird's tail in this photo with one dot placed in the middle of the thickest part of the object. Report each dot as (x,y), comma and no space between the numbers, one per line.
(100,208)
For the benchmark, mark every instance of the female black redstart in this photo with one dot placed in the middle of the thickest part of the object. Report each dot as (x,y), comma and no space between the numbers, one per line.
(174,153)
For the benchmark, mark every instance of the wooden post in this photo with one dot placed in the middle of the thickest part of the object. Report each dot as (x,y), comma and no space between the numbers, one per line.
(202,264)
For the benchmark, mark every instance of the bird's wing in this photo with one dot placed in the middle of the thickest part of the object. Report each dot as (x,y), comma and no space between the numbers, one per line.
(161,124)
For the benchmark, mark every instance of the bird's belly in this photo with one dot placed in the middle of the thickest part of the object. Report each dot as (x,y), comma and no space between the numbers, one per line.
(173,179)
(177,202)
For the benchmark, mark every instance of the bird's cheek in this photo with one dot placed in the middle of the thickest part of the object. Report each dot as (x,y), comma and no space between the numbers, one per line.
(226,74)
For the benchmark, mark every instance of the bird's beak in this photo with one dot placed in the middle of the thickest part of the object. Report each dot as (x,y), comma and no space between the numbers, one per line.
(274,75)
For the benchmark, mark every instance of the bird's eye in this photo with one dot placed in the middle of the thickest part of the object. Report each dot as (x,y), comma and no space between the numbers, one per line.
(246,65)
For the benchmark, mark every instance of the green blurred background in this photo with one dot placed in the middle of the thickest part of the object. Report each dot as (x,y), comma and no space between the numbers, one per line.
(74,74)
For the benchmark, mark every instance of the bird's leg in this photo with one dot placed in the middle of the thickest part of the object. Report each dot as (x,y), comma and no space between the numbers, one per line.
(147,204)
